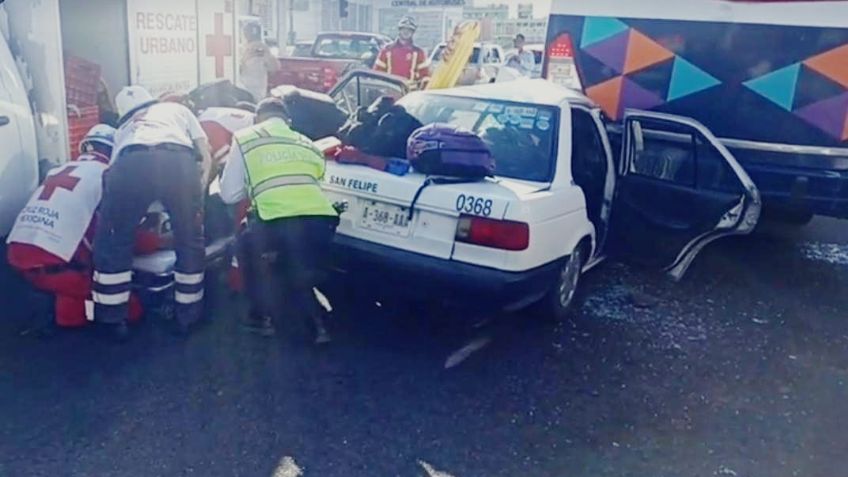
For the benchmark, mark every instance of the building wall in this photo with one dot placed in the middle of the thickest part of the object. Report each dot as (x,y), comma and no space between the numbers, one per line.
(82,38)
(500,12)
(534,30)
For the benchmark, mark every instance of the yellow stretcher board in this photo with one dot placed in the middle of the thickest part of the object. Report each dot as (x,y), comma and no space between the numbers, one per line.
(456,55)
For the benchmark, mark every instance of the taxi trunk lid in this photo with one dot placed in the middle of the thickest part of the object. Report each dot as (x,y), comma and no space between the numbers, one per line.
(379,207)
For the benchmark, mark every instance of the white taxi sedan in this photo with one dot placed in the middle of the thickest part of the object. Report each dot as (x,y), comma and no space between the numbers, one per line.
(566,193)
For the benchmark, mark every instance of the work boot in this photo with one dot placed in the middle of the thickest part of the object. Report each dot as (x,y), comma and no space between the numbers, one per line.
(261,325)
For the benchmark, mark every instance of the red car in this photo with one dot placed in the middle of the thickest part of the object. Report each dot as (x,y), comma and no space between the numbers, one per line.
(333,55)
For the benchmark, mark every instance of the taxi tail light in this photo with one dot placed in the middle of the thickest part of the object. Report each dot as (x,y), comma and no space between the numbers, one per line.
(501,234)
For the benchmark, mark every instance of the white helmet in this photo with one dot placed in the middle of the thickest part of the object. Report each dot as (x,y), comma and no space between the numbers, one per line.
(407,22)
(130,98)
(101,133)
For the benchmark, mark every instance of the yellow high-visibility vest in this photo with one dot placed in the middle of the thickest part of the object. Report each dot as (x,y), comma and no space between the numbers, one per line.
(283,172)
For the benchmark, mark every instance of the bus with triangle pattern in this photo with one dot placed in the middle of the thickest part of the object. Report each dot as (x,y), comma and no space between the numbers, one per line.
(769,78)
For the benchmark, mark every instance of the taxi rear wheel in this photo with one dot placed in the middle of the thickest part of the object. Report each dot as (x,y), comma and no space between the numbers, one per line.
(557,302)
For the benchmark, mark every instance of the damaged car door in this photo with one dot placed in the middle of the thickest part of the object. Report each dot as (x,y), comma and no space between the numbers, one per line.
(363,87)
(678,190)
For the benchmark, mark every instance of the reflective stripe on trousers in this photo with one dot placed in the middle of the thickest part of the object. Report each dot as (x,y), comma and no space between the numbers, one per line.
(135,180)
(111,289)
(188,288)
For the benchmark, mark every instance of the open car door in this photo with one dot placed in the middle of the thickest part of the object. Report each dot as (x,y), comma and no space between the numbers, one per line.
(679,189)
(363,87)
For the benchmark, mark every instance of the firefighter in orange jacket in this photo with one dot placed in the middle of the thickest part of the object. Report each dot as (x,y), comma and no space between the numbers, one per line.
(402,58)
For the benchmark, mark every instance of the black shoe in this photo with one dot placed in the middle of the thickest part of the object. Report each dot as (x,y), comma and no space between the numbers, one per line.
(261,325)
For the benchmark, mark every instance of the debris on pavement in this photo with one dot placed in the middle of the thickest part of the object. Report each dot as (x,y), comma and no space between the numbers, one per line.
(430,471)
(666,322)
(323,300)
(460,355)
(643,300)
(725,472)
(287,468)
(832,253)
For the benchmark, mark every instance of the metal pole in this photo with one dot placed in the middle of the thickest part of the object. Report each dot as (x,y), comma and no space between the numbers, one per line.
(292,34)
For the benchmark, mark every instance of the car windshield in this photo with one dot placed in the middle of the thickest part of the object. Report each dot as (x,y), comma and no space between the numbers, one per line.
(349,48)
(440,51)
(302,50)
(521,136)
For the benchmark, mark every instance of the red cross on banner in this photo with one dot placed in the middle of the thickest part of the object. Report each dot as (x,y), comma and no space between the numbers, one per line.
(219,45)
(62,180)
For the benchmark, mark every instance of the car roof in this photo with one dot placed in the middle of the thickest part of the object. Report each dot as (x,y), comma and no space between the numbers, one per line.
(476,44)
(347,34)
(531,91)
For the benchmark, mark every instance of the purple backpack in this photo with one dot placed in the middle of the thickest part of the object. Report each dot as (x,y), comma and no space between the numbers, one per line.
(445,150)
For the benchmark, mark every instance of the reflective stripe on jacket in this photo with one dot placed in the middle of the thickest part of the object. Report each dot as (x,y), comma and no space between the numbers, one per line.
(283,172)
(404,60)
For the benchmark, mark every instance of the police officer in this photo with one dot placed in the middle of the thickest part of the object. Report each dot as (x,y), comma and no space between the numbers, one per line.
(161,153)
(279,170)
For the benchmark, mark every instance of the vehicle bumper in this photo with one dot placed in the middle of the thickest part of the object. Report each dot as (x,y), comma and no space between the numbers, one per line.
(413,275)
(799,183)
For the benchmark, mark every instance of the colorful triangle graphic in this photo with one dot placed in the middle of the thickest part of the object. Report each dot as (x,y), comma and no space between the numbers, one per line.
(778,86)
(636,97)
(833,64)
(687,79)
(597,29)
(812,87)
(829,115)
(607,95)
(612,51)
(656,78)
(643,52)
(845,130)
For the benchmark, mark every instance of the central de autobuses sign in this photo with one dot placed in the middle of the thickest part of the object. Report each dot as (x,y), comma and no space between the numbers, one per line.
(177,44)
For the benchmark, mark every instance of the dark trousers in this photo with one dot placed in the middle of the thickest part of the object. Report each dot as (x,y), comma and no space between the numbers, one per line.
(138,177)
(302,247)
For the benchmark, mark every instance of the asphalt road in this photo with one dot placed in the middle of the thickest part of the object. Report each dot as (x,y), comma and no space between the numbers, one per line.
(738,370)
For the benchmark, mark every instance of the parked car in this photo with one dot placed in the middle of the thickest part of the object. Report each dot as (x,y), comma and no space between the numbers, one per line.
(564,196)
(301,49)
(330,57)
(483,64)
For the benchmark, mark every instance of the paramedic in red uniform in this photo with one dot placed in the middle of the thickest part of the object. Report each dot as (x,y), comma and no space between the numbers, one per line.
(220,124)
(401,57)
(51,241)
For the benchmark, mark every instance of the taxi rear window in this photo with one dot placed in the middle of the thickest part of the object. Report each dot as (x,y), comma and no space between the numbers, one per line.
(521,136)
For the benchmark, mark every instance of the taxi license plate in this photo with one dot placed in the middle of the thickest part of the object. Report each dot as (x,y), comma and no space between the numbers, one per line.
(385,218)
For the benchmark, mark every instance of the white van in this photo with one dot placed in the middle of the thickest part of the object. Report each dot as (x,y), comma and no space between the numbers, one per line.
(18,155)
